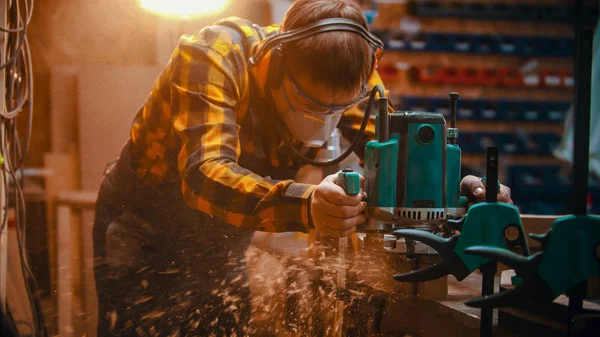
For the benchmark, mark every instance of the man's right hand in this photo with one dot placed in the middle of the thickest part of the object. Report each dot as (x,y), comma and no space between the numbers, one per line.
(335,213)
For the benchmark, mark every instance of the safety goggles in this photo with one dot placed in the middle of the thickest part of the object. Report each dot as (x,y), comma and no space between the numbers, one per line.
(314,105)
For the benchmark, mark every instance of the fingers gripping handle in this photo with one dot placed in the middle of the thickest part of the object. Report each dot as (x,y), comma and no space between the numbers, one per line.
(349,181)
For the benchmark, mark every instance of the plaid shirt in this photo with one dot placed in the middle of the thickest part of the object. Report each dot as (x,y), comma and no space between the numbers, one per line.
(203,117)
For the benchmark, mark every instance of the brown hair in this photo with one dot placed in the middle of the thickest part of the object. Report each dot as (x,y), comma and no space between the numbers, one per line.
(340,59)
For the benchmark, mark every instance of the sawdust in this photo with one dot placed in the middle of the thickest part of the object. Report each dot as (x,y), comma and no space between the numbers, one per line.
(153,315)
(292,296)
(297,296)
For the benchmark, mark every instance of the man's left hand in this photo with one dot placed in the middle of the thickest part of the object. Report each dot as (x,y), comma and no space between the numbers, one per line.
(472,187)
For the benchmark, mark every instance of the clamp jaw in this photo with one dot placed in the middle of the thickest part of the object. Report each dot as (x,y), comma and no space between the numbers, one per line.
(490,223)
(571,254)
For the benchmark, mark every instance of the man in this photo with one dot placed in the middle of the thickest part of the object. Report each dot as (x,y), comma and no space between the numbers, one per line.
(206,165)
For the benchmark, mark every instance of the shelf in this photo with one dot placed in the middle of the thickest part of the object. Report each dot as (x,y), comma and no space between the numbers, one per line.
(490,126)
(406,88)
(508,159)
(495,10)
(515,112)
(425,58)
(500,44)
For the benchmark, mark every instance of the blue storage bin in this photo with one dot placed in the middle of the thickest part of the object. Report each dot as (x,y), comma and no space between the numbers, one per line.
(556,46)
(469,142)
(417,43)
(488,110)
(511,110)
(430,8)
(456,8)
(416,104)
(529,142)
(484,44)
(526,11)
(552,141)
(569,45)
(442,106)
(487,139)
(545,143)
(427,104)
(508,143)
(554,13)
(542,189)
(531,111)
(477,9)
(439,42)
(463,43)
(555,111)
(529,46)
(396,40)
(507,44)
(467,110)
(500,10)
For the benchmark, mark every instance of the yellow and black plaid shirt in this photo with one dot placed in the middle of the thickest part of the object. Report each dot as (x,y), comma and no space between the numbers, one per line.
(202,116)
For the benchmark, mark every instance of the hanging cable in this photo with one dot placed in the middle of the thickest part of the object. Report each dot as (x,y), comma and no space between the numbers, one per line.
(18,85)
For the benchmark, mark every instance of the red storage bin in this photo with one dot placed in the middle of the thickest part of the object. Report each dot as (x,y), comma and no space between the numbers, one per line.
(567,79)
(468,76)
(511,77)
(489,77)
(551,79)
(387,71)
(427,74)
(531,80)
(448,75)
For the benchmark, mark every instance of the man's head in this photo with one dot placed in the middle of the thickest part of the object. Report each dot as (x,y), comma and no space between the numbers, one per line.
(342,60)
(323,74)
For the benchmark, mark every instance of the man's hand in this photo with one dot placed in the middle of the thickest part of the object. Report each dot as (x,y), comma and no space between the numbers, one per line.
(335,213)
(472,187)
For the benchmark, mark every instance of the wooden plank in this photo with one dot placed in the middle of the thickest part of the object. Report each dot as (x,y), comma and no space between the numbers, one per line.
(537,224)
(18,300)
(90,301)
(82,199)
(65,272)
(77,273)
(63,174)
(63,109)
(83,298)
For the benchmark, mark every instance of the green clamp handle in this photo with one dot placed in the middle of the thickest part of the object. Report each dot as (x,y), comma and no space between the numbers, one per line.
(516,281)
(349,181)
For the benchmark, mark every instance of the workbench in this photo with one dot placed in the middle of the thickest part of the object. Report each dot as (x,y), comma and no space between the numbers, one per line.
(443,314)
(451,317)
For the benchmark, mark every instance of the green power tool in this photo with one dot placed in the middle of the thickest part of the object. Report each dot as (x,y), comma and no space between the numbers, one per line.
(412,182)
(412,171)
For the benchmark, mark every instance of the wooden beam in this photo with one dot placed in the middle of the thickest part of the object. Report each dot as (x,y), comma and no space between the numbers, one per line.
(65,271)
